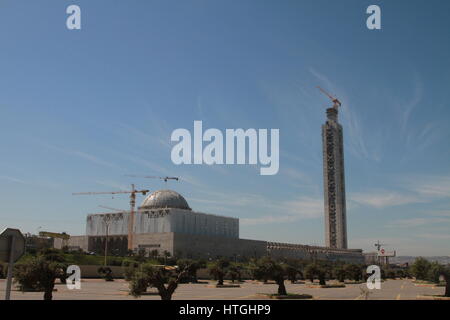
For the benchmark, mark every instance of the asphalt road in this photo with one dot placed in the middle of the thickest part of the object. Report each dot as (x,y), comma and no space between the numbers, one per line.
(96,289)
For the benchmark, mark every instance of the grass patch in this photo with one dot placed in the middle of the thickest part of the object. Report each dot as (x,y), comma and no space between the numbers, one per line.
(424,283)
(226,285)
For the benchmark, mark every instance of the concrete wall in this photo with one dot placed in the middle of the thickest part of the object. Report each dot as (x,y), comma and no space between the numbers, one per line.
(208,247)
(163,220)
(198,223)
(155,241)
(91,271)
(74,243)
(280,250)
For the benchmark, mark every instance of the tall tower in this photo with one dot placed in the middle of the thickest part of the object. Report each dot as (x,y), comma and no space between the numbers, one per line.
(334,181)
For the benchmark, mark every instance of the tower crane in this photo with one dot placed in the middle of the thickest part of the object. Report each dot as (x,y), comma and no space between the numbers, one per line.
(132,193)
(336,102)
(64,236)
(154,177)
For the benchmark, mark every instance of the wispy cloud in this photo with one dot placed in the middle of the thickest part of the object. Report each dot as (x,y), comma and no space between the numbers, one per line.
(435,236)
(160,136)
(80,154)
(416,222)
(430,186)
(383,198)
(112,184)
(12,179)
(290,211)
(408,107)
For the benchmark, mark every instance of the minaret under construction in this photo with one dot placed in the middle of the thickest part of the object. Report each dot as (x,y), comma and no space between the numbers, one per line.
(334,179)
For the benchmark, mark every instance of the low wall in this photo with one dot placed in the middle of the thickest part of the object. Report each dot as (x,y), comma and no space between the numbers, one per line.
(91,271)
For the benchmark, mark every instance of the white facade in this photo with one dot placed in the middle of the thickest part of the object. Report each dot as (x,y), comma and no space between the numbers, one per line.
(164,220)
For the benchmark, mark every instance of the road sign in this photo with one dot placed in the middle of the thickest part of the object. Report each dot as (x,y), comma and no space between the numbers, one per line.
(5,245)
(383,253)
(12,247)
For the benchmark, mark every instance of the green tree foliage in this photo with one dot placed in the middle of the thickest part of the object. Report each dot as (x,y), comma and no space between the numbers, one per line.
(129,267)
(435,271)
(292,273)
(235,272)
(321,274)
(105,273)
(339,273)
(3,270)
(420,268)
(191,268)
(154,253)
(163,279)
(270,269)
(219,269)
(353,271)
(445,272)
(141,255)
(38,274)
(311,271)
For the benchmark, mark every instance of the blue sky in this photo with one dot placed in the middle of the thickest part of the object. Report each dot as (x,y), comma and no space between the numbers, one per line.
(81,109)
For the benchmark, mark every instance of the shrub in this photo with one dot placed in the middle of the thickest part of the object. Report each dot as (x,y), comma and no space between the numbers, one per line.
(191,266)
(353,272)
(270,269)
(420,268)
(3,270)
(219,269)
(105,273)
(148,275)
(339,273)
(311,271)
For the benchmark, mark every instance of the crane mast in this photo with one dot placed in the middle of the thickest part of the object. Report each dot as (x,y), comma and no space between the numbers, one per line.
(132,193)
(336,102)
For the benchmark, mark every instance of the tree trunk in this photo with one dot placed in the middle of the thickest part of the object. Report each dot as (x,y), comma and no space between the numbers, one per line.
(220,279)
(48,293)
(281,288)
(447,285)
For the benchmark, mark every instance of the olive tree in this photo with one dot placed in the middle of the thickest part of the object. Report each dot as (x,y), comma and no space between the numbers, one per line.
(270,269)
(219,269)
(420,268)
(163,279)
(38,274)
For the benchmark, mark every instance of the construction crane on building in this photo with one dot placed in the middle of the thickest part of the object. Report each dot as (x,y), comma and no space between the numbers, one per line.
(64,236)
(154,177)
(132,193)
(336,102)
(114,209)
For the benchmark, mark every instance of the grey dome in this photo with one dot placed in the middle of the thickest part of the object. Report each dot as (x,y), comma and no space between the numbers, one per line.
(162,199)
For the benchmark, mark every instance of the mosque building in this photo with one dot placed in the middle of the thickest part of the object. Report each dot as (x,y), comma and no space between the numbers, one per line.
(166,223)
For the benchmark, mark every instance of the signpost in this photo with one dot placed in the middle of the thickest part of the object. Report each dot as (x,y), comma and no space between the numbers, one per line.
(12,247)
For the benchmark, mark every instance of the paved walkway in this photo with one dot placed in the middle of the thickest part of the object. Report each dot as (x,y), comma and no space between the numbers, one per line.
(96,289)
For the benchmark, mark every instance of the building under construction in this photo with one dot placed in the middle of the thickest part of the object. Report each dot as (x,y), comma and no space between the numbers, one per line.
(165,222)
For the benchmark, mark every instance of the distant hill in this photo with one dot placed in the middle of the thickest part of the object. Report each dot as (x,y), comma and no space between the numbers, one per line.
(411,259)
